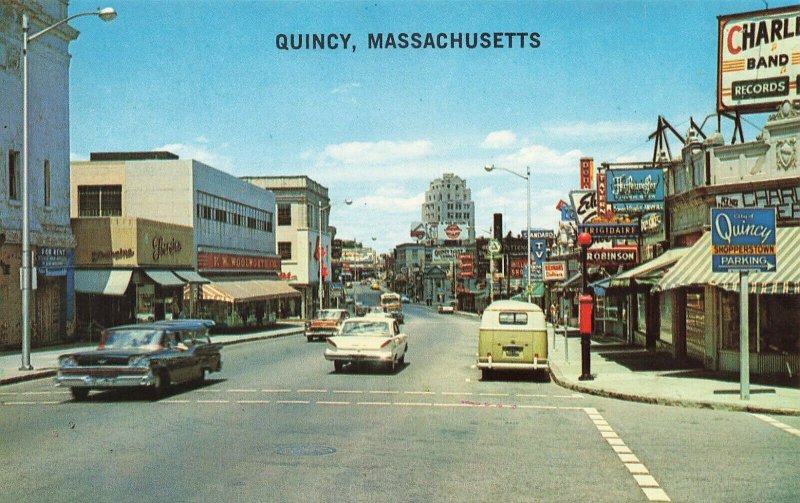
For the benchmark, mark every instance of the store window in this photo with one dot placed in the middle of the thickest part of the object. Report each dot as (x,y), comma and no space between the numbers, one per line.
(284,214)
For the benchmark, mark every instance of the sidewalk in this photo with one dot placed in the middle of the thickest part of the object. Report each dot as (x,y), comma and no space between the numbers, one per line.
(45,360)
(633,373)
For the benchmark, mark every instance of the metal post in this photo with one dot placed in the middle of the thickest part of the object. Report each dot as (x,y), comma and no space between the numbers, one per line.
(319,252)
(25,272)
(528,180)
(744,336)
(566,340)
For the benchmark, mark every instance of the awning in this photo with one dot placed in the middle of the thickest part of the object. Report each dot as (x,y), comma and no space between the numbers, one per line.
(695,268)
(573,281)
(248,290)
(651,271)
(102,281)
(164,278)
(191,277)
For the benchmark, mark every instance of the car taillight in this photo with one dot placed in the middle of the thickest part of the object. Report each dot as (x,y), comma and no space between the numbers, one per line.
(331,342)
(386,343)
(536,355)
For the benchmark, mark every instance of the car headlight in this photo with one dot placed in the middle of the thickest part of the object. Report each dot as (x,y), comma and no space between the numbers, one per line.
(139,361)
(67,361)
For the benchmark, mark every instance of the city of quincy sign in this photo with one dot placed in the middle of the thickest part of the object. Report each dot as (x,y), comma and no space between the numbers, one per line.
(743,239)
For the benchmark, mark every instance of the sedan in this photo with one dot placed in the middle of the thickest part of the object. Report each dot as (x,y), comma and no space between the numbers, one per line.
(375,338)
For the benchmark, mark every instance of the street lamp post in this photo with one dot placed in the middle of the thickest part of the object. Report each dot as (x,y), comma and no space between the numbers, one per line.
(320,247)
(527,178)
(106,14)
(585,240)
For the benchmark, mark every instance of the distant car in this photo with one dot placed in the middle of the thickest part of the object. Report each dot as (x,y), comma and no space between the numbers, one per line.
(325,324)
(404,299)
(449,308)
(147,355)
(374,338)
(360,308)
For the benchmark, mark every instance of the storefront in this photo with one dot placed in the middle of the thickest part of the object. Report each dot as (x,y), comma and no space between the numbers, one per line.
(127,270)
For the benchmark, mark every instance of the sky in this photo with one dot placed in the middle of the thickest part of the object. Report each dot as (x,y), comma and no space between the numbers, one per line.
(209,80)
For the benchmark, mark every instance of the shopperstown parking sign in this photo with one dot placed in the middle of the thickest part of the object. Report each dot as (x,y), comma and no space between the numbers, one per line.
(743,239)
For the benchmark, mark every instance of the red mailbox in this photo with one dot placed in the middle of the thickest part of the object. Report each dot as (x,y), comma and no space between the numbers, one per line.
(585,313)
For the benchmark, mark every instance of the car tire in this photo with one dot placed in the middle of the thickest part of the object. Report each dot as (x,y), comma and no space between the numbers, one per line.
(201,376)
(487,374)
(79,394)
(402,360)
(160,385)
(310,339)
(337,365)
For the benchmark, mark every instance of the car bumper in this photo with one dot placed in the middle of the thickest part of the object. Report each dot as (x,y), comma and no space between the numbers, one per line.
(537,364)
(123,378)
(359,356)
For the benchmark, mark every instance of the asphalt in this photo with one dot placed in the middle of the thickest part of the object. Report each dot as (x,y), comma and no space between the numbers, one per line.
(619,371)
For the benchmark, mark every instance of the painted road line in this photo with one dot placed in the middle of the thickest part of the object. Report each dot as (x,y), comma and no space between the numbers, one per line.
(373,403)
(276,391)
(242,391)
(54,402)
(455,393)
(348,392)
(8,393)
(568,396)
(253,401)
(647,483)
(532,396)
(492,394)
(419,393)
(293,402)
(312,391)
(20,403)
(778,424)
(453,405)
(35,392)
(213,401)
(332,403)
(383,392)
(175,401)
(209,390)
(413,404)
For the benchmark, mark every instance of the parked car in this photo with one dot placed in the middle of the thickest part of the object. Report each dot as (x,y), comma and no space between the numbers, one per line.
(448,308)
(147,355)
(325,324)
(512,336)
(374,338)
(404,299)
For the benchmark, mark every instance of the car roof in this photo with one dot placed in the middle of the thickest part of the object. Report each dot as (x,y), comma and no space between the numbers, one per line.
(183,324)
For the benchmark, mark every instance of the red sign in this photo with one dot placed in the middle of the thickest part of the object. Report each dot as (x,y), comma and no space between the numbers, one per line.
(601,193)
(452,231)
(587,172)
(224,261)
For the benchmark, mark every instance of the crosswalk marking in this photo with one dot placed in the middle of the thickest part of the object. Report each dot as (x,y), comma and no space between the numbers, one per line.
(774,422)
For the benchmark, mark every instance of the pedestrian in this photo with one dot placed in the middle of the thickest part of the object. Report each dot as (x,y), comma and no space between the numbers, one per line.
(553,312)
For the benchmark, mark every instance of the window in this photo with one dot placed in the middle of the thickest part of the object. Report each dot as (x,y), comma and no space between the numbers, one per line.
(269,221)
(13,174)
(285,250)
(46,183)
(220,215)
(100,200)
(513,318)
(284,214)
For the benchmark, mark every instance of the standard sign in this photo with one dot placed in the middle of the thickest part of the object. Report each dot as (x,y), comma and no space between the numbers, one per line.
(743,239)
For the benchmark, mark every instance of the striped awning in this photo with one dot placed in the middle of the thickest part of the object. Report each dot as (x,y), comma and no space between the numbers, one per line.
(694,268)
(247,290)
(164,278)
(102,281)
(191,277)
(650,270)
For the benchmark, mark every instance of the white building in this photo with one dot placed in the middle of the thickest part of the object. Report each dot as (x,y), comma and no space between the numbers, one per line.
(52,242)
(449,210)
(298,202)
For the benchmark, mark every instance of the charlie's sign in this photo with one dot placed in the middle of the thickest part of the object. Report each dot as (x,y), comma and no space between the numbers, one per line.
(758,61)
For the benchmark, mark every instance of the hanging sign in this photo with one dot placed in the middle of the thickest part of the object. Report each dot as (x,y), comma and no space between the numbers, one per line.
(743,240)
(587,172)
(585,204)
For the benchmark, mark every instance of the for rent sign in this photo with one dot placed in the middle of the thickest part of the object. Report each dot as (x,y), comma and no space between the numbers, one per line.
(758,59)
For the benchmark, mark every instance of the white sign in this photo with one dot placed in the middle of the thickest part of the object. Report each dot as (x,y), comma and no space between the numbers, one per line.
(494,247)
(757,67)
(554,271)
(447,254)
(585,204)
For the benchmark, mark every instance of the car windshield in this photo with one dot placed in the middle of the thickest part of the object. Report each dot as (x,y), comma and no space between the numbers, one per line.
(328,315)
(366,328)
(119,339)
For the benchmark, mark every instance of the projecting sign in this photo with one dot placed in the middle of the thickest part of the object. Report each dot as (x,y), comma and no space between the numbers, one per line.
(758,61)
(743,240)
(554,271)
(611,231)
(538,256)
(587,172)
(418,230)
(494,247)
(634,185)
(614,256)
(540,234)
(585,204)
(568,213)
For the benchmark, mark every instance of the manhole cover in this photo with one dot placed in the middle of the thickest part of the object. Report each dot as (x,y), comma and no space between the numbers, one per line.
(305,450)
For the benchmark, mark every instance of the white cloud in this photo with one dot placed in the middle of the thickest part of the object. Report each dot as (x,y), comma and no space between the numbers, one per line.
(202,153)
(345,88)
(499,139)
(542,159)
(599,130)
(379,152)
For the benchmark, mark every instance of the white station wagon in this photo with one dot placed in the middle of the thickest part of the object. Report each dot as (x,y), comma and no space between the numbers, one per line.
(374,338)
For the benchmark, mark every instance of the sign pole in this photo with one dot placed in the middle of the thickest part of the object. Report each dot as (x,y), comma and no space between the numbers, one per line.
(744,336)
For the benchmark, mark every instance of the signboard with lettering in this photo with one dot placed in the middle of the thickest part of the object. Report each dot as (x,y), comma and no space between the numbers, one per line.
(53,261)
(447,254)
(585,204)
(568,213)
(743,240)
(602,199)
(540,234)
(785,200)
(634,186)
(223,261)
(587,172)
(611,231)
(538,256)
(757,63)
(417,230)
(614,256)
(554,271)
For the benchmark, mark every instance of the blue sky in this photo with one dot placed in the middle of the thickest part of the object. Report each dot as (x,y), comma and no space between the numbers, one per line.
(205,80)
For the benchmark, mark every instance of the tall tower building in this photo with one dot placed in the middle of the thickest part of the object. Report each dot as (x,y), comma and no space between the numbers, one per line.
(448,202)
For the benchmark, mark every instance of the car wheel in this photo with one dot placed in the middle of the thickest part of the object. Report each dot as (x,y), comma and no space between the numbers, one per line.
(201,376)
(160,385)
(79,393)
(487,374)
(310,339)
(337,365)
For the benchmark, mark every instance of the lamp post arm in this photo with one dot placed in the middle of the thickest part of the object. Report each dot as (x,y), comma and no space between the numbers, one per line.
(33,37)
(515,173)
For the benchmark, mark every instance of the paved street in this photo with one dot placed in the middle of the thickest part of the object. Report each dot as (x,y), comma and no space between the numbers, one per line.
(279,425)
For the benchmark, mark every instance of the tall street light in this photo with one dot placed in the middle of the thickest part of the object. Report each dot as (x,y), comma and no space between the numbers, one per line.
(319,245)
(527,178)
(106,14)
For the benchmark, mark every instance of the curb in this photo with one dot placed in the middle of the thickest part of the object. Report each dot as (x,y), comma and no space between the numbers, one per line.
(50,372)
(673,402)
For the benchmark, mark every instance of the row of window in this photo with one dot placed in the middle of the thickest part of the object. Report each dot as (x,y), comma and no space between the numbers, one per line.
(100,200)
(15,178)
(211,207)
